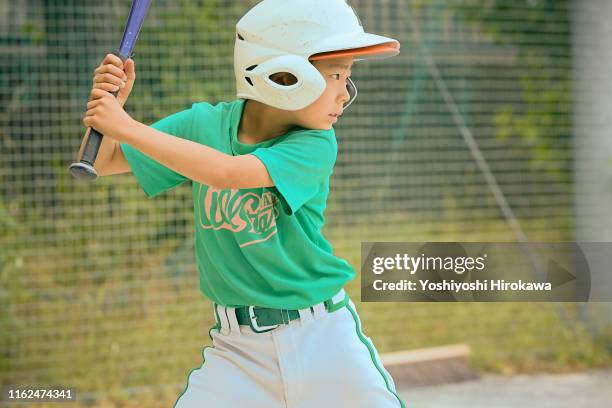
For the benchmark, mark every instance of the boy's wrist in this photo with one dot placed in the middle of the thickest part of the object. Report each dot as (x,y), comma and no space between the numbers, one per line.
(128,130)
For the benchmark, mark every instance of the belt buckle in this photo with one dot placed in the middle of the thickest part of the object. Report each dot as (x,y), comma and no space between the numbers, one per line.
(254,324)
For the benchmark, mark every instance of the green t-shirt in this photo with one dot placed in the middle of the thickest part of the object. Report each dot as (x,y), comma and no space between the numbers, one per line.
(259,246)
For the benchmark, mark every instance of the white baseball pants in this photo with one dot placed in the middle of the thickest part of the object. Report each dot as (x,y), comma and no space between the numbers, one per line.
(322,360)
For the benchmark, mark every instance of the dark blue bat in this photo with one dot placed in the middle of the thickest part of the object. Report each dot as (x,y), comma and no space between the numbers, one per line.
(84,169)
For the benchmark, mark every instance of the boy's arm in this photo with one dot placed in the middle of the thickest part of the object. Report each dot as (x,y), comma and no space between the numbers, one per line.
(195,161)
(247,171)
(110,159)
(118,163)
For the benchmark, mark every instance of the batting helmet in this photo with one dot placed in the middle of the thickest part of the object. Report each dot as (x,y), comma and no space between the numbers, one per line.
(285,35)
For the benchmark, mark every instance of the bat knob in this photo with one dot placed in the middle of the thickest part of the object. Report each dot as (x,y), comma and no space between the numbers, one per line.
(83,171)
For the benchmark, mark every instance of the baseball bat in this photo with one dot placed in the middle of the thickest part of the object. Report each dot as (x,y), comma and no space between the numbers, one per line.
(84,169)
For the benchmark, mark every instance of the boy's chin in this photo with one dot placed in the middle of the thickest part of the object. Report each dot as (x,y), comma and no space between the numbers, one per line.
(326,126)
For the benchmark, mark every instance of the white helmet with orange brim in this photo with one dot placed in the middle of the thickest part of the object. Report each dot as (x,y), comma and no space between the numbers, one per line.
(286,35)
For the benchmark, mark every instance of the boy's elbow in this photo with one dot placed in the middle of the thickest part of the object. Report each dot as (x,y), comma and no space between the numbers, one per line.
(117,164)
(101,168)
(245,171)
(222,178)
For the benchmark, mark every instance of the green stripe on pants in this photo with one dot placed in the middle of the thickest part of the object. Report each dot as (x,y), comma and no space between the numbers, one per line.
(373,355)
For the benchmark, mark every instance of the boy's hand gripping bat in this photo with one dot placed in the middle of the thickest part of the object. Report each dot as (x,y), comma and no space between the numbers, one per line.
(84,170)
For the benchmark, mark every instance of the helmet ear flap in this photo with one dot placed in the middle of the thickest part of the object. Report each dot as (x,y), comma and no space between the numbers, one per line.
(309,87)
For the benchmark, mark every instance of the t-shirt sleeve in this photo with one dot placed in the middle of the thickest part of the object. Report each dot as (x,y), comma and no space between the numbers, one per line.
(153,177)
(300,165)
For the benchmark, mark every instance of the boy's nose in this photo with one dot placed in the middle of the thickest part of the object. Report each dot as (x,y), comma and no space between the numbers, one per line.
(344,95)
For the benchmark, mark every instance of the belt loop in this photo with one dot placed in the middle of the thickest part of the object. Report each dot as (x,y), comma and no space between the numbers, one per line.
(319,310)
(305,316)
(225,327)
(285,316)
(233,320)
(339,297)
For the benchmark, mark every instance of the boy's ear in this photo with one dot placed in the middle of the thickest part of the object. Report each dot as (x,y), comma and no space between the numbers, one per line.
(284,78)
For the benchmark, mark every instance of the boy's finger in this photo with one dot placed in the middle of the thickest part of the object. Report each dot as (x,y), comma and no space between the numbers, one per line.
(107,87)
(97,93)
(130,69)
(113,59)
(111,69)
(110,78)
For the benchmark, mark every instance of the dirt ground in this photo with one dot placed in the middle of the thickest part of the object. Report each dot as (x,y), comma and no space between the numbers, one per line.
(591,389)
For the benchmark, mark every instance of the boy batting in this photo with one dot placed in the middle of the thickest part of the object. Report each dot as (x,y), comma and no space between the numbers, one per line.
(286,332)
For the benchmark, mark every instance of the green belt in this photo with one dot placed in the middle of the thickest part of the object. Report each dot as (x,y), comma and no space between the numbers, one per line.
(262,319)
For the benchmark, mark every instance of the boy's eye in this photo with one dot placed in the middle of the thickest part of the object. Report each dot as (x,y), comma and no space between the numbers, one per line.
(336,75)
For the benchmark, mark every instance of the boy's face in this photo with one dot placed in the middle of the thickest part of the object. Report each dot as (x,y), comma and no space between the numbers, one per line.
(318,114)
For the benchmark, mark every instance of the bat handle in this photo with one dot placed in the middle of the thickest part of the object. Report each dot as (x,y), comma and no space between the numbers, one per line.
(84,169)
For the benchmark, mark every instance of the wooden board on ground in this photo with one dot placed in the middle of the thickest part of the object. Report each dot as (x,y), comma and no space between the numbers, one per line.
(429,366)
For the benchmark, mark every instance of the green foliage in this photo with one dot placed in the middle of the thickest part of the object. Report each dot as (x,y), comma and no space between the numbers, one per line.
(185,72)
(539,126)
(11,290)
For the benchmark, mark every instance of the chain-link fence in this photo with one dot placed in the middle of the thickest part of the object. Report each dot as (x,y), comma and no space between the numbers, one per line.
(466,136)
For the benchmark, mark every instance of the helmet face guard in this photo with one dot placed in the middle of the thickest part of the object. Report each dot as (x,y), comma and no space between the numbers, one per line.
(352,90)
